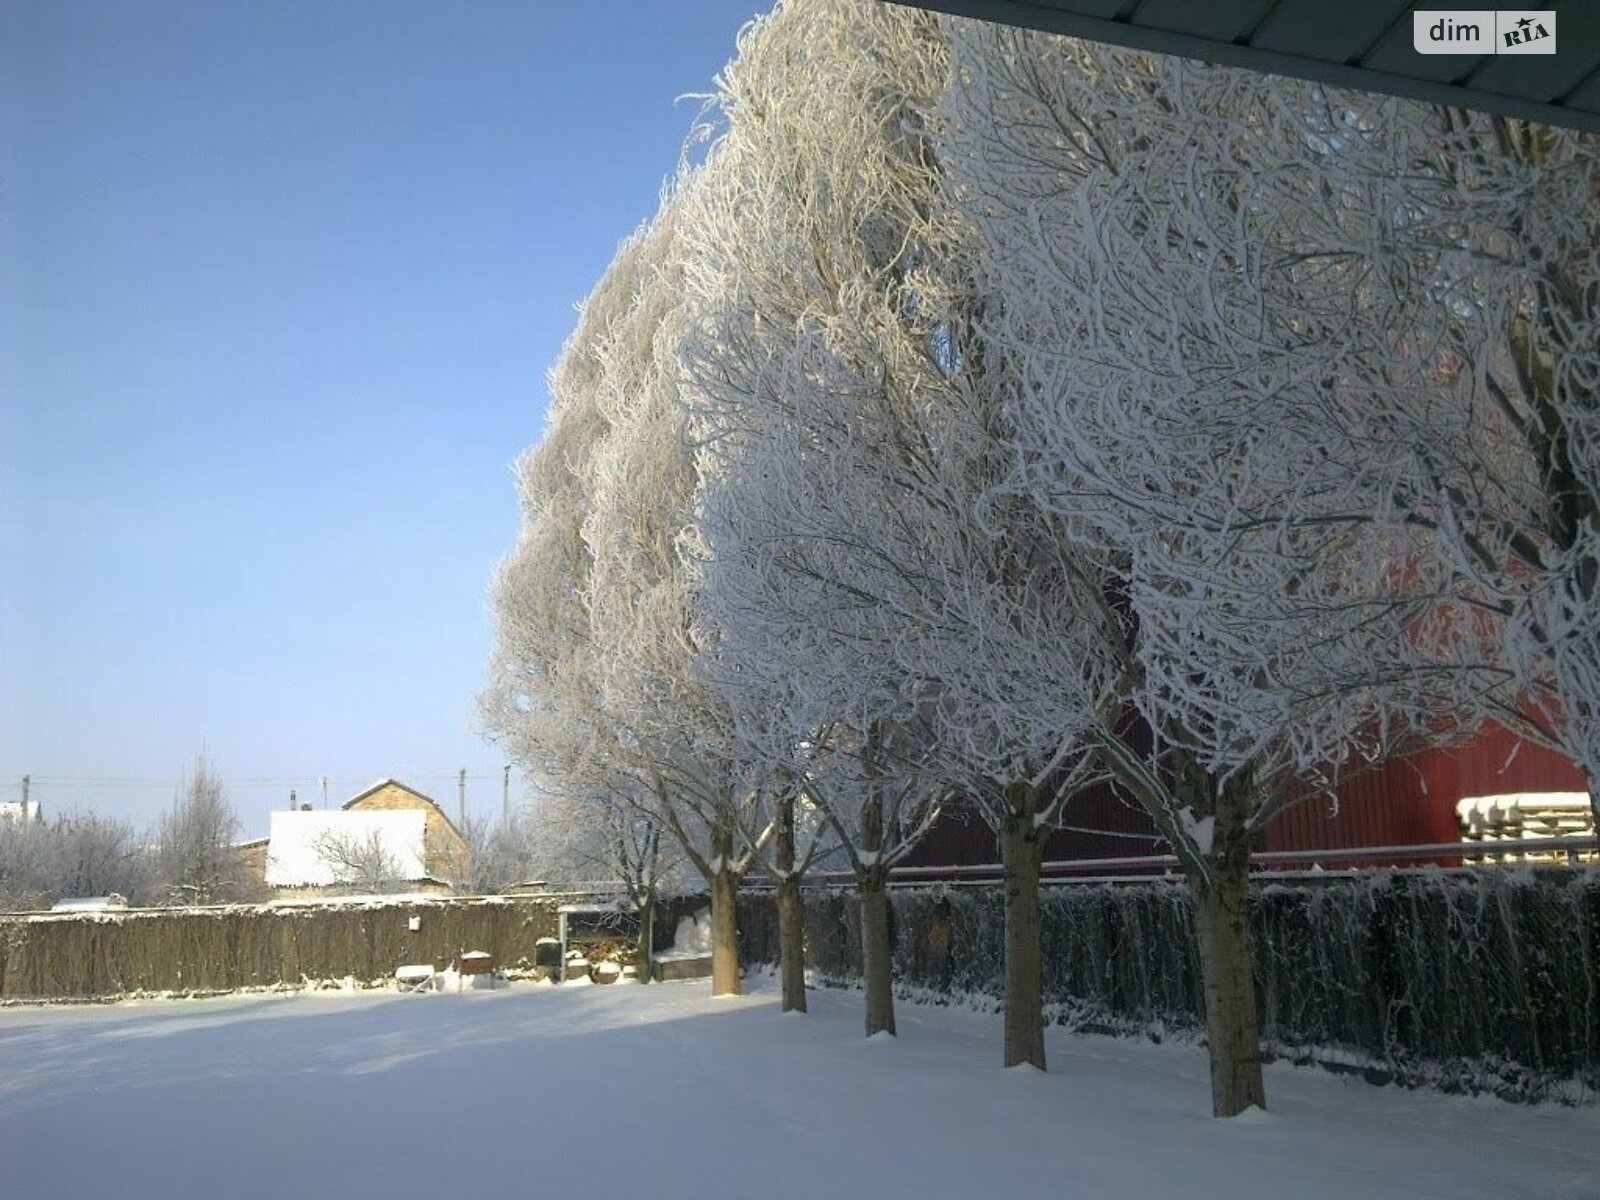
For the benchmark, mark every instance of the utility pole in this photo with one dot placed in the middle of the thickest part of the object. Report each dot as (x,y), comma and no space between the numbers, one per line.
(294,805)
(324,792)
(27,782)
(463,786)
(505,797)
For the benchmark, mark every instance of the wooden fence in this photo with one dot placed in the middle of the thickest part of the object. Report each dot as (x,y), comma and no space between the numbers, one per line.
(89,955)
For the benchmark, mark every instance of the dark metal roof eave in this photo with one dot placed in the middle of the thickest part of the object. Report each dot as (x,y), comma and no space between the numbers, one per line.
(1273,62)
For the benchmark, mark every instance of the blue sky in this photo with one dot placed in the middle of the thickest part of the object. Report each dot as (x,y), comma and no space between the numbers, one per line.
(279,284)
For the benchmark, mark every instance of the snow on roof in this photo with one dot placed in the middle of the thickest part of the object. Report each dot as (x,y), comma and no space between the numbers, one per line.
(297,842)
(89,903)
(621,904)
(365,900)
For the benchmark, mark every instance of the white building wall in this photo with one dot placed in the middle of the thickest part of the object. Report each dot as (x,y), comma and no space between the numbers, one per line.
(294,857)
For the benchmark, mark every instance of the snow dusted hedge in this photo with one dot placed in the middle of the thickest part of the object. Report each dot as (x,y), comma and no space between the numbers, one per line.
(89,955)
(1476,981)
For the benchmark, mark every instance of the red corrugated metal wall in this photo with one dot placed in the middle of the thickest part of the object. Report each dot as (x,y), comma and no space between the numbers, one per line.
(1100,826)
(1406,801)
(1412,800)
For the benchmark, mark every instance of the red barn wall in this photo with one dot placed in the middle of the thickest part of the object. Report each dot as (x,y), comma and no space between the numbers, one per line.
(1406,801)
(1100,825)
(1412,800)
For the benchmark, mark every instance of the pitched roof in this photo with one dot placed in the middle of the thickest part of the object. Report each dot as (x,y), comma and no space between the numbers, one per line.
(383,783)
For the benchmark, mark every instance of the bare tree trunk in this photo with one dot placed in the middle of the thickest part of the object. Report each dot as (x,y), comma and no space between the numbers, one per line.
(875,952)
(791,912)
(644,951)
(791,944)
(1221,916)
(873,879)
(724,934)
(1021,850)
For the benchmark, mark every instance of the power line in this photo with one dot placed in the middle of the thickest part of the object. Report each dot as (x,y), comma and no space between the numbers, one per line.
(247,781)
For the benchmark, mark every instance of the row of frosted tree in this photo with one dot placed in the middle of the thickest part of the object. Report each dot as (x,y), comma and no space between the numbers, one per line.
(992,415)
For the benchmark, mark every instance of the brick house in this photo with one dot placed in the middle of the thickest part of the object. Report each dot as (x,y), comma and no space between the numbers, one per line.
(426,848)
(445,848)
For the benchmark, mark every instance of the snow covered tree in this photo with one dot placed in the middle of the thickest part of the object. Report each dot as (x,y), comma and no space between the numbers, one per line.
(788,833)
(1473,244)
(851,432)
(995,421)
(796,848)
(195,859)
(25,881)
(588,839)
(500,854)
(595,675)
(674,727)
(1169,324)
(364,864)
(793,251)
(76,854)
(544,701)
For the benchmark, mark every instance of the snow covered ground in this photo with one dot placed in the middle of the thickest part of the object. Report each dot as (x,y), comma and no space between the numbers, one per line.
(662,1091)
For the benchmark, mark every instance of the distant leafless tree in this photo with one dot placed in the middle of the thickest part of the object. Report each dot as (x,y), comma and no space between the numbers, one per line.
(361,862)
(579,840)
(74,855)
(196,861)
(499,854)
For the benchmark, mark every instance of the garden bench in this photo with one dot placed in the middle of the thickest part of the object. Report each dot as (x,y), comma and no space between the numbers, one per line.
(414,978)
